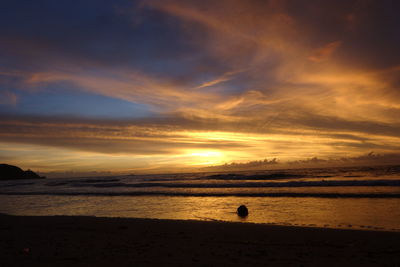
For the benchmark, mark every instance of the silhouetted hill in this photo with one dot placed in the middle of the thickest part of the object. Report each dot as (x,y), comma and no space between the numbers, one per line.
(10,172)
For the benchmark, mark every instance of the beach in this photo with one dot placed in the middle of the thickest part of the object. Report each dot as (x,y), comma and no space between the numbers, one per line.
(95,241)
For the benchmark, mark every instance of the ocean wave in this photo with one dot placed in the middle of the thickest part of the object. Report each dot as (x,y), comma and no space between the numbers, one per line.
(221,194)
(82,181)
(271,176)
(323,183)
(16,184)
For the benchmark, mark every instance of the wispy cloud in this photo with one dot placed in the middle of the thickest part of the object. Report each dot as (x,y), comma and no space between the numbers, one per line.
(8,98)
(229,80)
(325,52)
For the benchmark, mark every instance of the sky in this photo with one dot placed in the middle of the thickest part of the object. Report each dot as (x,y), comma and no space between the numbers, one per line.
(173,85)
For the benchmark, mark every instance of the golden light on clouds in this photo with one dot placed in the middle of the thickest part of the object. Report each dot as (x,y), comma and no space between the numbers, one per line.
(204,83)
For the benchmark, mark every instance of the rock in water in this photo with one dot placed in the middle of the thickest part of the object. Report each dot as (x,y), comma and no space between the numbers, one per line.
(31,175)
(10,172)
(242,211)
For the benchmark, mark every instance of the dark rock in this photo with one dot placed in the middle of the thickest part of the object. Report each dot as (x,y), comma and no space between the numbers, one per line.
(10,172)
(31,175)
(242,211)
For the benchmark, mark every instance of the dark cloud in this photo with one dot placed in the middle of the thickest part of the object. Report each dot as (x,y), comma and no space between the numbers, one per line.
(90,34)
(368,30)
(257,164)
(331,123)
(369,159)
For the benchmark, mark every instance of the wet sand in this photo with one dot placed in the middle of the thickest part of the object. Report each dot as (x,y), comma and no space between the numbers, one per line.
(91,241)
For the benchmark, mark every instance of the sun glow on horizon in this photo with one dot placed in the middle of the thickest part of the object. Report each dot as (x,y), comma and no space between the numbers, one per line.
(204,157)
(197,83)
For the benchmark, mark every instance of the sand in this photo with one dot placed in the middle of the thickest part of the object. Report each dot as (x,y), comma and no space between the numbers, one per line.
(91,241)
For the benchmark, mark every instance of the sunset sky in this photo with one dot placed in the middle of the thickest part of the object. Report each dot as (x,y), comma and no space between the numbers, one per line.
(138,86)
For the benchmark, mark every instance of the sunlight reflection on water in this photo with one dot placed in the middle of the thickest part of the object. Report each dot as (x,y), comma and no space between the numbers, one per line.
(361,213)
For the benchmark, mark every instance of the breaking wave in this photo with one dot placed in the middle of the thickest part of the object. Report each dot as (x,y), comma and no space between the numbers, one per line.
(219,194)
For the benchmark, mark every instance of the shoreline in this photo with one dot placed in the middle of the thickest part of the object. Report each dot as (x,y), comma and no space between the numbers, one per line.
(100,241)
(191,194)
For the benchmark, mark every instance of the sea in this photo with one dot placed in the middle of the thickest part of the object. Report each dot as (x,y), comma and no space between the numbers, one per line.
(365,198)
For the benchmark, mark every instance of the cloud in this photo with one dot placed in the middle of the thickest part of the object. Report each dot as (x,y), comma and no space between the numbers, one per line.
(224,78)
(325,52)
(236,78)
(8,98)
(109,137)
(251,165)
(176,134)
(369,159)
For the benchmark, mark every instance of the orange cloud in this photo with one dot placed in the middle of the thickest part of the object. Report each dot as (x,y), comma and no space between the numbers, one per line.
(267,97)
(325,52)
